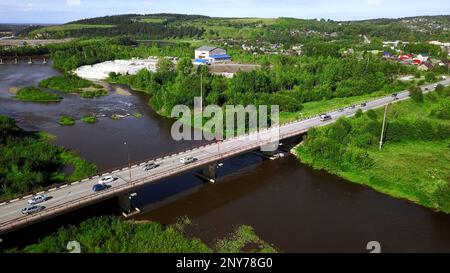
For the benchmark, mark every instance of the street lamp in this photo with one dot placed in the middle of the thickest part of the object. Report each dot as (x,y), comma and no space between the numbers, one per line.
(129,161)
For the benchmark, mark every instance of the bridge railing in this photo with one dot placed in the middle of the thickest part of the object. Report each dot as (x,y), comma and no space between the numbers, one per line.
(114,191)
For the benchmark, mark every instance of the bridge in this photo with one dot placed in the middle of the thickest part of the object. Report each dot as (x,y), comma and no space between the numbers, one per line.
(69,197)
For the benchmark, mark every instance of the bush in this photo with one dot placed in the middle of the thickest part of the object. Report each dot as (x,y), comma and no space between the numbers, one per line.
(416,94)
(66,121)
(372,114)
(89,119)
(441,110)
(359,113)
(35,94)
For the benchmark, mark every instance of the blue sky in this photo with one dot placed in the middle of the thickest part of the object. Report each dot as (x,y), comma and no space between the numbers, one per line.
(61,11)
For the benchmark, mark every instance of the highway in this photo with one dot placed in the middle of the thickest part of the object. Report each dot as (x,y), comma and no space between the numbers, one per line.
(79,194)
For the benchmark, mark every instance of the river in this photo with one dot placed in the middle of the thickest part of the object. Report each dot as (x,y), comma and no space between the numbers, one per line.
(289,205)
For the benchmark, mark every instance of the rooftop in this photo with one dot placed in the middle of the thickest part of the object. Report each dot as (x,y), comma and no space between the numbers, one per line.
(206,48)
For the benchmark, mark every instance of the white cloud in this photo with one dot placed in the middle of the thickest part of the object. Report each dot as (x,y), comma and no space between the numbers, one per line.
(374,3)
(146,3)
(73,2)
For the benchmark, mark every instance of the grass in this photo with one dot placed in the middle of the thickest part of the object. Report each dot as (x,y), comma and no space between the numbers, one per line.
(67,28)
(244,238)
(89,119)
(152,20)
(81,167)
(415,170)
(110,234)
(35,94)
(315,108)
(73,84)
(66,121)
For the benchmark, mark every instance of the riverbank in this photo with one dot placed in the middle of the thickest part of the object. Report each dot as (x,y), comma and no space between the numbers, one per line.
(414,161)
(29,163)
(110,234)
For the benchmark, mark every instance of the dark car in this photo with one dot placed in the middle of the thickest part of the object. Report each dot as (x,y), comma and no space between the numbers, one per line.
(151,166)
(99,187)
(363,104)
(394,95)
(341,110)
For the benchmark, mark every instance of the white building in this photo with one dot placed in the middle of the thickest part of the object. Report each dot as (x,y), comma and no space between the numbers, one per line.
(205,52)
(210,54)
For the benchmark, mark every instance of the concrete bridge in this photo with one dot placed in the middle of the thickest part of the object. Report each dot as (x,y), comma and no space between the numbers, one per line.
(79,194)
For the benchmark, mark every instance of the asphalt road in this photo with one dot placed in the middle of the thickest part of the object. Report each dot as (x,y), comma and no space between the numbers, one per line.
(79,194)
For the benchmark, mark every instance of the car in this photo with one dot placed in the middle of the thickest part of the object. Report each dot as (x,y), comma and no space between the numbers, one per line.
(106,179)
(363,104)
(435,86)
(325,117)
(394,95)
(151,166)
(99,187)
(341,110)
(32,209)
(353,107)
(187,160)
(37,199)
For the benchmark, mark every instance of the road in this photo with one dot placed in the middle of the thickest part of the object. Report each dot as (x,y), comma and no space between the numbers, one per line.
(80,194)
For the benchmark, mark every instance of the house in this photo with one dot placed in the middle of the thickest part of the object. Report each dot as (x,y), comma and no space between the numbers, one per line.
(422,57)
(417,62)
(211,54)
(405,57)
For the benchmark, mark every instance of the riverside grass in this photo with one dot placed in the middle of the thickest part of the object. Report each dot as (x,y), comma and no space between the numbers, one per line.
(414,169)
(111,234)
(34,94)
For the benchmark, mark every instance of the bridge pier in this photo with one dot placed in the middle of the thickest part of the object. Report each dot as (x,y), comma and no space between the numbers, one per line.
(209,173)
(124,204)
(271,151)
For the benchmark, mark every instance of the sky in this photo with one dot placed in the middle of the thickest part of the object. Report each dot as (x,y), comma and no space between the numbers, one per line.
(62,11)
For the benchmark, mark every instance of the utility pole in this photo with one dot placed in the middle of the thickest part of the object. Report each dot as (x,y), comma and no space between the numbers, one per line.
(129,161)
(384,125)
(201,93)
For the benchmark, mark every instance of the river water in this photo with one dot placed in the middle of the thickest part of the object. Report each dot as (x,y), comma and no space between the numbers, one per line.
(289,205)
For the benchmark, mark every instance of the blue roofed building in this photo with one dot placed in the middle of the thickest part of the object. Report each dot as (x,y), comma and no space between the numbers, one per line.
(210,55)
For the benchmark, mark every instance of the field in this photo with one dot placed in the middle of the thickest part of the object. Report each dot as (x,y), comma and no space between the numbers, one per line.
(67,27)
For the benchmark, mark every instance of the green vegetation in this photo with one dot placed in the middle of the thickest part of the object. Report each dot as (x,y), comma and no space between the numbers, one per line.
(114,235)
(69,83)
(29,163)
(241,239)
(60,31)
(35,94)
(89,119)
(413,163)
(66,121)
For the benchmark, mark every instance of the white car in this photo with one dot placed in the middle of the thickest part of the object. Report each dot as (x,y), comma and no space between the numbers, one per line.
(37,199)
(187,160)
(106,179)
(325,117)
